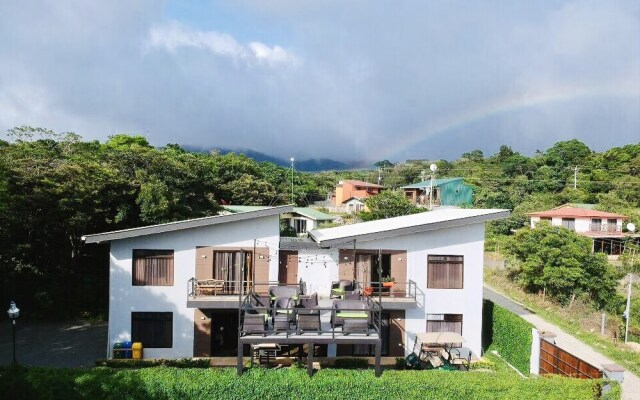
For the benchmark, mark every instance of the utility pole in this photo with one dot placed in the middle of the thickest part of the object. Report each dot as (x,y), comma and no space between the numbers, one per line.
(627,312)
(292,160)
(379,175)
(575,177)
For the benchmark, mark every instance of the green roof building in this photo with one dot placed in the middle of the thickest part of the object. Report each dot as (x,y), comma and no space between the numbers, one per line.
(446,192)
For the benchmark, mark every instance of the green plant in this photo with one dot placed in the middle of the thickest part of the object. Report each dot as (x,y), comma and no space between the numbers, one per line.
(351,363)
(401,363)
(508,334)
(388,279)
(285,383)
(177,363)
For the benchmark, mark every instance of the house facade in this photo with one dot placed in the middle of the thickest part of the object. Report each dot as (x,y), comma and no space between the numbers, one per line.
(353,188)
(604,228)
(436,260)
(445,192)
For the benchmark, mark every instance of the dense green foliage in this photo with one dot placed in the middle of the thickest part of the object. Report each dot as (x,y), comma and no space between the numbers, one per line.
(56,188)
(388,204)
(508,334)
(288,383)
(558,261)
(177,363)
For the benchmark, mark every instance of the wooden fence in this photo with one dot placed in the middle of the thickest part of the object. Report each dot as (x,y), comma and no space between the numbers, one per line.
(554,360)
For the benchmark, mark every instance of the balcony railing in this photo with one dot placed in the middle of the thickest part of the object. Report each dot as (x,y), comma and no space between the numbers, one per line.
(217,287)
(296,322)
(405,290)
(607,228)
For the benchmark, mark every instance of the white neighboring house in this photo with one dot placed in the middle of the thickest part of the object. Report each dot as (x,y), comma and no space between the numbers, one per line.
(353,205)
(436,259)
(604,228)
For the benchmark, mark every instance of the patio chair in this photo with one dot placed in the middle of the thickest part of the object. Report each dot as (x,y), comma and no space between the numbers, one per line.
(290,292)
(338,288)
(283,313)
(254,322)
(459,360)
(308,314)
(349,309)
(352,295)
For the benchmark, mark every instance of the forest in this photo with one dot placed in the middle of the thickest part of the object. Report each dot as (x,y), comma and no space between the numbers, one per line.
(56,187)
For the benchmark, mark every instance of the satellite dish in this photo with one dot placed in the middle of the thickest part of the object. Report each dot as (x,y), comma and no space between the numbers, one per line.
(433,167)
(631,227)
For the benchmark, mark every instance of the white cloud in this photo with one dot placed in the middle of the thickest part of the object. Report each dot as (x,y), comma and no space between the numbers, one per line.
(174,36)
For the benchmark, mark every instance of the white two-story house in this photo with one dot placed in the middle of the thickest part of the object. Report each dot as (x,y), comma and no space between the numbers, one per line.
(435,259)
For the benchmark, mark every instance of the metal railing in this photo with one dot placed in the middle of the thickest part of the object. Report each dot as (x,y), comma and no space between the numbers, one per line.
(196,287)
(292,314)
(610,228)
(407,290)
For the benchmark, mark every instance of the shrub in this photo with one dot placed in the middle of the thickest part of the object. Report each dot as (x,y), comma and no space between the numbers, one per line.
(179,363)
(285,383)
(508,334)
(351,363)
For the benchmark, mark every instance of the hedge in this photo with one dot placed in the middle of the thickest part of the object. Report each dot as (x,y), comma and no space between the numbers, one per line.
(508,334)
(285,383)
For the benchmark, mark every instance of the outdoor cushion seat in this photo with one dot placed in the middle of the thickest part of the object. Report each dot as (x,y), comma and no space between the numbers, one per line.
(308,315)
(346,308)
(276,292)
(338,288)
(356,325)
(284,313)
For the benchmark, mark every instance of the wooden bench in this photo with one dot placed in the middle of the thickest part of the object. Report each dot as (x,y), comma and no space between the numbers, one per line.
(209,285)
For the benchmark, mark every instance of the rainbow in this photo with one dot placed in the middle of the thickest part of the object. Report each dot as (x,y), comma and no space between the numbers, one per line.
(629,88)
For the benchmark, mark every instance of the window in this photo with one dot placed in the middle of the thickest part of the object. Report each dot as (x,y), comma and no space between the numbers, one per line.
(445,323)
(445,272)
(569,223)
(612,225)
(152,329)
(152,268)
(300,225)
(596,224)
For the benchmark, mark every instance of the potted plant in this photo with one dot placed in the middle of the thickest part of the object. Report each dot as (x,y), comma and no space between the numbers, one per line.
(388,281)
(368,291)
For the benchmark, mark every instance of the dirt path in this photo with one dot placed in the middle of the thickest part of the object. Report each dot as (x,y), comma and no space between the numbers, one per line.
(54,344)
(631,383)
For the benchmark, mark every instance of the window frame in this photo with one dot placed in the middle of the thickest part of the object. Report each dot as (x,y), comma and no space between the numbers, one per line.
(151,255)
(431,261)
(161,318)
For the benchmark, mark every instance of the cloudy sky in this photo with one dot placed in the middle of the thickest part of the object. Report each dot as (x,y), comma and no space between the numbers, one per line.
(348,80)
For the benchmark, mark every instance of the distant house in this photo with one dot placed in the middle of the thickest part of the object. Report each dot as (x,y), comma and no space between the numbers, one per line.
(302,219)
(604,228)
(355,204)
(446,192)
(305,219)
(347,189)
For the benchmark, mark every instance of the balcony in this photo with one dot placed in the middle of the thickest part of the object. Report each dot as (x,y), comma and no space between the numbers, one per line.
(221,294)
(298,322)
(605,229)
(392,296)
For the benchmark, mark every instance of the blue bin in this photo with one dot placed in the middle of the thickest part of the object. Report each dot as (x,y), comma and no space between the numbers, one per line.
(127,349)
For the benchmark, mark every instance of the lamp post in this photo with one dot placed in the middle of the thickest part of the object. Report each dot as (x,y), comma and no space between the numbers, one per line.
(433,169)
(292,160)
(14,313)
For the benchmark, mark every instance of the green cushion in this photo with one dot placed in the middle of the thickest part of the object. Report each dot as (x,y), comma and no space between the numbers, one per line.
(284,311)
(352,314)
(338,291)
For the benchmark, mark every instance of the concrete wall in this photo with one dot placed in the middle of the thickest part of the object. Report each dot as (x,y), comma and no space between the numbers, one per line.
(467,241)
(125,298)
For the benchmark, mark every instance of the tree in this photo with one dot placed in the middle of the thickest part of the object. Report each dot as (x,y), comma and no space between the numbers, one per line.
(383,164)
(388,204)
(560,262)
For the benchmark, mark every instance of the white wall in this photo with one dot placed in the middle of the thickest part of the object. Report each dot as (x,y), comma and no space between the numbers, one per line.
(318,268)
(125,298)
(582,224)
(467,241)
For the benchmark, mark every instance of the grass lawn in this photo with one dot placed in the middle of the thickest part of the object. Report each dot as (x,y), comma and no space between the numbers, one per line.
(580,321)
(490,379)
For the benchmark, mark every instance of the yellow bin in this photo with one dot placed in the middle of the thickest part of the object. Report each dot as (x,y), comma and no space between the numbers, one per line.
(137,350)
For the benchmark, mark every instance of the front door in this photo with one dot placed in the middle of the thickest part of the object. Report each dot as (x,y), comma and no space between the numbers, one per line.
(224,333)
(288,267)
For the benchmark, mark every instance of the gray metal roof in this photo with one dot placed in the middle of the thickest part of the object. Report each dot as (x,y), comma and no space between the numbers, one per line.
(297,243)
(186,224)
(405,225)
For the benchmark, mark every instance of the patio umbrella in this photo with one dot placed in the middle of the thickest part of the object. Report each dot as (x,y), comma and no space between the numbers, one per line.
(440,337)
